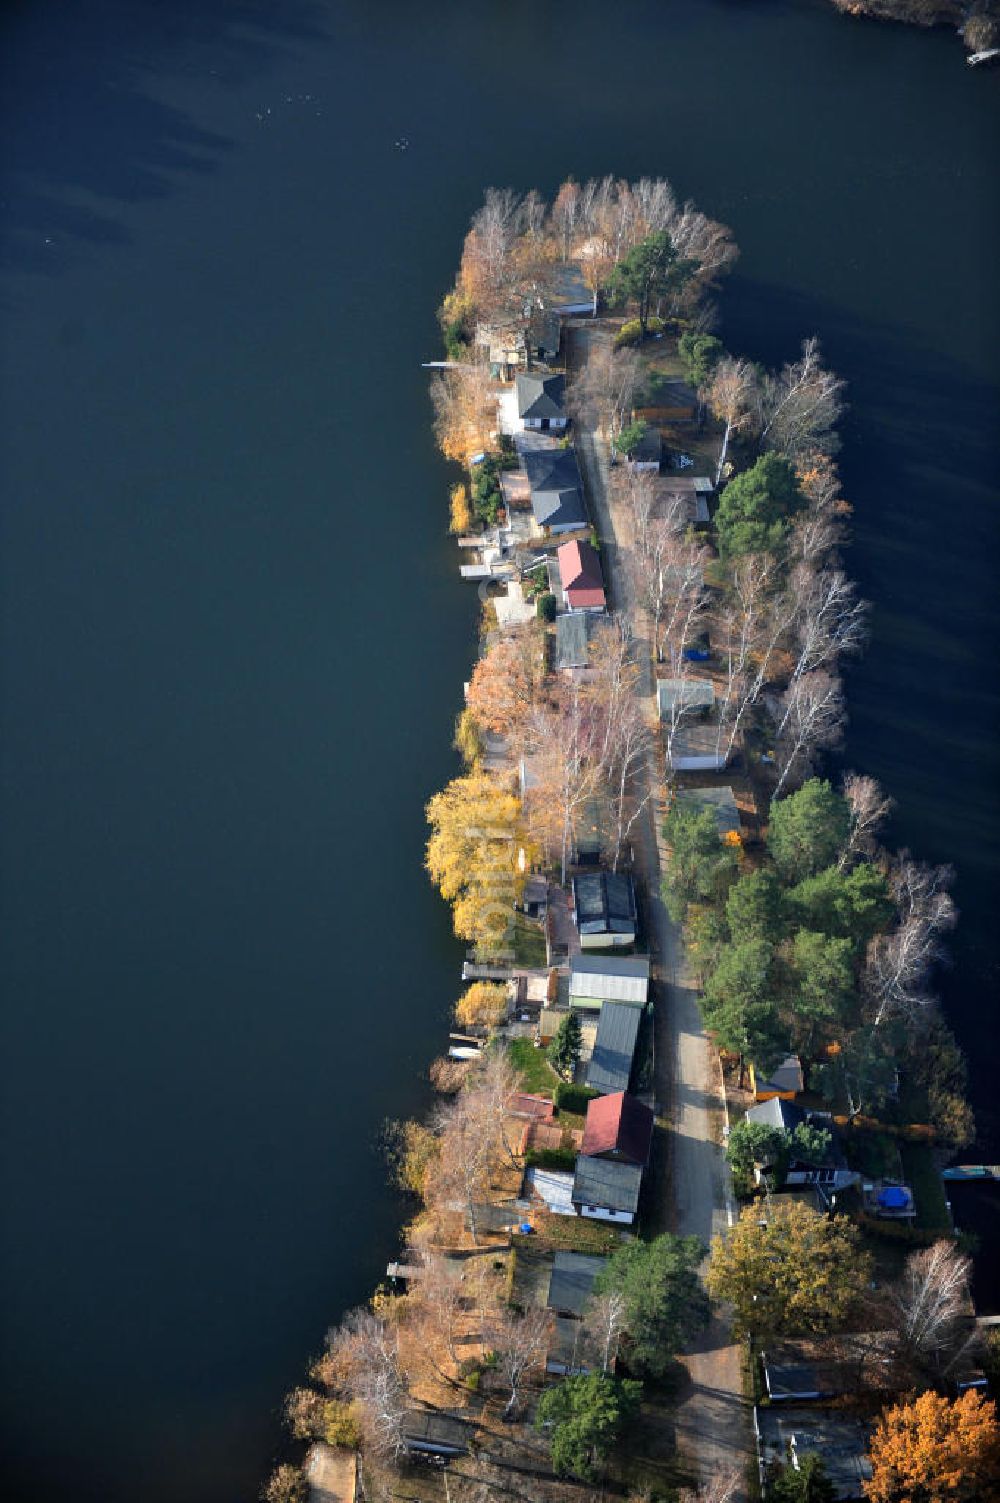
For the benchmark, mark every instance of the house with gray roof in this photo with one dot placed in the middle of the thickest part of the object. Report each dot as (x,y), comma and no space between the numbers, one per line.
(831,1173)
(571,1282)
(839,1440)
(610,1066)
(556,488)
(684,696)
(596,979)
(606,1190)
(697,747)
(605,910)
(541,401)
(573,633)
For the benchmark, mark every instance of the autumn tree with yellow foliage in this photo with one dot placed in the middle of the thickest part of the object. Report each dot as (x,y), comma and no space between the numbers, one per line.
(483,1005)
(788,1270)
(936,1451)
(472,857)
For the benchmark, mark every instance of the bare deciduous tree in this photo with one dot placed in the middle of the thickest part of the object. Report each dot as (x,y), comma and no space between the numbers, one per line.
(567,766)
(731,398)
(933,1308)
(752,621)
(604,1322)
(603,392)
(520,1342)
(798,410)
(726,1487)
(811,721)
(365,1356)
(870,808)
(899,963)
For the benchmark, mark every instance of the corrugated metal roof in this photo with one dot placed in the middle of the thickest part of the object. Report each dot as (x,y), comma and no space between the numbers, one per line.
(721,800)
(572,636)
(684,693)
(604,903)
(603,1182)
(610,978)
(610,1066)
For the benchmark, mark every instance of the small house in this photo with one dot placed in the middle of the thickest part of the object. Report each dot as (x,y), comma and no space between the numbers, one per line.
(605,909)
(722,802)
(571,1282)
(541,401)
(506,347)
(568,294)
(580,576)
(609,1068)
(646,455)
(544,335)
(786,1081)
(697,746)
(674,402)
(573,633)
(606,1190)
(618,1128)
(788,1435)
(556,488)
(596,979)
(432,1432)
(548,1023)
(684,696)
(832,1174)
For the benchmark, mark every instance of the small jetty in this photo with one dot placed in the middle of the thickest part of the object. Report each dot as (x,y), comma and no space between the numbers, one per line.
(988,56)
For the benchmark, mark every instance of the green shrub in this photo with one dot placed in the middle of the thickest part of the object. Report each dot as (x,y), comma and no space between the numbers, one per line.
(545,605)
(550,1158)
(573,1098)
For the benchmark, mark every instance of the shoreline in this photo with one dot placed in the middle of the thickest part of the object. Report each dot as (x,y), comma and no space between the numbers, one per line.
(486,757)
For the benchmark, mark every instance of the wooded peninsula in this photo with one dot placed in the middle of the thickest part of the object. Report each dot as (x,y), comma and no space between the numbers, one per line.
(678,1222)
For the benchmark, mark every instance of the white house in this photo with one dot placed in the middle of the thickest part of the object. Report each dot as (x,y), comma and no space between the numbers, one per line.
(697,748)
(541,402)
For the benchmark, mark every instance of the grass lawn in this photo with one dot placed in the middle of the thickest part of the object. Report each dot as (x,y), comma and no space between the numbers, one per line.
(537,1075)
(529,942)
(574,1234)
(924,1178)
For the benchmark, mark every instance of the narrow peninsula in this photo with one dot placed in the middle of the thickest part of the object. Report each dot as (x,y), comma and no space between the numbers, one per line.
(678,1222)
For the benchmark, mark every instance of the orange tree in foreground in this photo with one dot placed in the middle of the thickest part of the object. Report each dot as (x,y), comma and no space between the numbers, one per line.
(935,1451)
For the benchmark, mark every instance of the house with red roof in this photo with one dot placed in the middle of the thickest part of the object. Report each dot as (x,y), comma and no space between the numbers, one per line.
(618,1127)
(617,1139)
(580,576)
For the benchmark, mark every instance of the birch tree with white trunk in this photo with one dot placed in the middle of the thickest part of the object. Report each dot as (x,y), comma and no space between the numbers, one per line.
(899,963)
(812,720)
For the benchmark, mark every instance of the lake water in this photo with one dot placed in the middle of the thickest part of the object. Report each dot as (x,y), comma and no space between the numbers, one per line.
(234,637)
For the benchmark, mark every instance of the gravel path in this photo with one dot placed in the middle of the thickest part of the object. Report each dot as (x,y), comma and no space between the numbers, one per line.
(713,1426)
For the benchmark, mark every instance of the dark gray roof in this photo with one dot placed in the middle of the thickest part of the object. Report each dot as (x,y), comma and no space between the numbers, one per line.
(841,1442)
(610,1066)
(572,1281)
(572,636)
(433,1431)
(540,396)
(786,1116)
(556,490)
(605,903)
(603,1182)
(649,449)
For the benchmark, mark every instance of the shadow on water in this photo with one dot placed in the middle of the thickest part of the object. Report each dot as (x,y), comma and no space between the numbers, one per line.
(919,461)
(83,129)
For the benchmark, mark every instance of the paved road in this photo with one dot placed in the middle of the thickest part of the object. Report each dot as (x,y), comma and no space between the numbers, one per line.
(713,1429)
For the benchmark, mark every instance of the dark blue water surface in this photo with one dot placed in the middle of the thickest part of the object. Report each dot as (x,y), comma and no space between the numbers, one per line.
(234,636)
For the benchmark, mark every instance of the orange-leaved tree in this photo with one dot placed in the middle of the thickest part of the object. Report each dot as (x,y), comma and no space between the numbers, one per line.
(936,1451)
